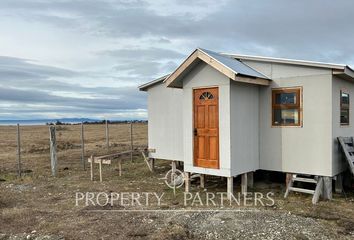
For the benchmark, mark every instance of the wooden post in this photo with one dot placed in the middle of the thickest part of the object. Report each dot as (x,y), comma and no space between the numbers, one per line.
(174,167)
(100,167)
(230,187)
(91,167)
(202,180)
(131,141)
(19,151)
(187,181)
(152,164)
(107,136)
(250,179)
(244,184)
(83,147)
(120,167)
(327,188)
(53,150)
(339,183)
(288,178)
(318,191)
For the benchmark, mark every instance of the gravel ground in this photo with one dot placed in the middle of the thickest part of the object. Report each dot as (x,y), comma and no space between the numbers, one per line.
(243,224)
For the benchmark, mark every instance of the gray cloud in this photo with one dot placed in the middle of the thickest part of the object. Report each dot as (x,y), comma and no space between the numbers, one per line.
(145,39)
(126,99)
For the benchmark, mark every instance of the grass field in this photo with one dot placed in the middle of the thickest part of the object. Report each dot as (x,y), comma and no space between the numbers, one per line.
(39,206)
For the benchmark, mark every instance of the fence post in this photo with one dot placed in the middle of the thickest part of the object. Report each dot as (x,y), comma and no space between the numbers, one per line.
(83,147)
(53,150)
(107,135)
(131,141)
(19,151)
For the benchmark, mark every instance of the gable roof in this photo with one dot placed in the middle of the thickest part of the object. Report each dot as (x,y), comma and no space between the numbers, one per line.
(230,67)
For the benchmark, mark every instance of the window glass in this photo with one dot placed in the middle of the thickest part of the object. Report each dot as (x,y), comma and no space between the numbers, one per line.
(286,117)
(344,108)
(345,98)
(285,98)
(344,116)
(206,95)
(286,107)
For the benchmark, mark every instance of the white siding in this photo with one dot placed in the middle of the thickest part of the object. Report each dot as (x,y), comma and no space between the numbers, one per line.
(205,76)
(165,122)
(338,165)
(244,128)
(292,149)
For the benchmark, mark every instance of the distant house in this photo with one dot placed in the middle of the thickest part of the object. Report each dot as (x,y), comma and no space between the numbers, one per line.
(229,114)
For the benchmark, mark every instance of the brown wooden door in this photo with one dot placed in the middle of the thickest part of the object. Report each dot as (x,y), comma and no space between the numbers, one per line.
(206,127)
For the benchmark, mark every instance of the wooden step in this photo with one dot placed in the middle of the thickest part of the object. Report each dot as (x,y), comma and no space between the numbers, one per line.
(308,191)
(308,180)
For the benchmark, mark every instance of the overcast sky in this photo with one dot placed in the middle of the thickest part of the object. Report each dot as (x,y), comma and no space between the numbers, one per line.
(85,58)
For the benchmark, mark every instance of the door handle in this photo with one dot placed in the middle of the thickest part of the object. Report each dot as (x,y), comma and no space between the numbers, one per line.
(195,132)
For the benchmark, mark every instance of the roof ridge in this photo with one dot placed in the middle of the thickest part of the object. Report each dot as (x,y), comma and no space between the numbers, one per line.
(285,60)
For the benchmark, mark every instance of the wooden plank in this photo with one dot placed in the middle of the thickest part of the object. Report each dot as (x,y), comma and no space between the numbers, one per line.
(230,187)
(327,188)
(339,183)
(91,167)
(308,180)
(347,140)
(244,184)
(53,150)
(250,179)
(187,181)
(289,184)
(217,65)
(349,148)
(302,190)
(202,180)
(120,167)
(152,150)
(113,155)
(99,160)
(19,167)
(146,159)
(343,143)
(258,81)
(174,166)
(318,191)
(182,68)
(100,167)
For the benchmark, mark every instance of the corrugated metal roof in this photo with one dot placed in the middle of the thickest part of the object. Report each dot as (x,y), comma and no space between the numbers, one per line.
(145,86)
(286,61)
(234,64)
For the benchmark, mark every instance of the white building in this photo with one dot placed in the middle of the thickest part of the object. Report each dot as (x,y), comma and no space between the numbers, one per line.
(226,115)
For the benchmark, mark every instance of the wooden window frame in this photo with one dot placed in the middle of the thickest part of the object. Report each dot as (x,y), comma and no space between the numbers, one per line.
(344,107)
(297,105)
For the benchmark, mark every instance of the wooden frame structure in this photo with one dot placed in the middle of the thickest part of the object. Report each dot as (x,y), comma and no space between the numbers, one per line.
(297,105)
(107,160)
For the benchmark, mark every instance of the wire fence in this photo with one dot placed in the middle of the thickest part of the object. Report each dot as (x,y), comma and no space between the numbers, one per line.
(35,145)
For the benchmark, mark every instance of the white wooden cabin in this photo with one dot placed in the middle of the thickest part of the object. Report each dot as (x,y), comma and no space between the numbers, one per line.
(227,114)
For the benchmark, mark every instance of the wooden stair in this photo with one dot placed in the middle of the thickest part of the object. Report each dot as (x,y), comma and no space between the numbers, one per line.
(347,146)
(317,181)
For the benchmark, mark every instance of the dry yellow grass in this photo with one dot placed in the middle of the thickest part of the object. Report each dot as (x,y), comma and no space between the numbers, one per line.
(35,144)
(45,204)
